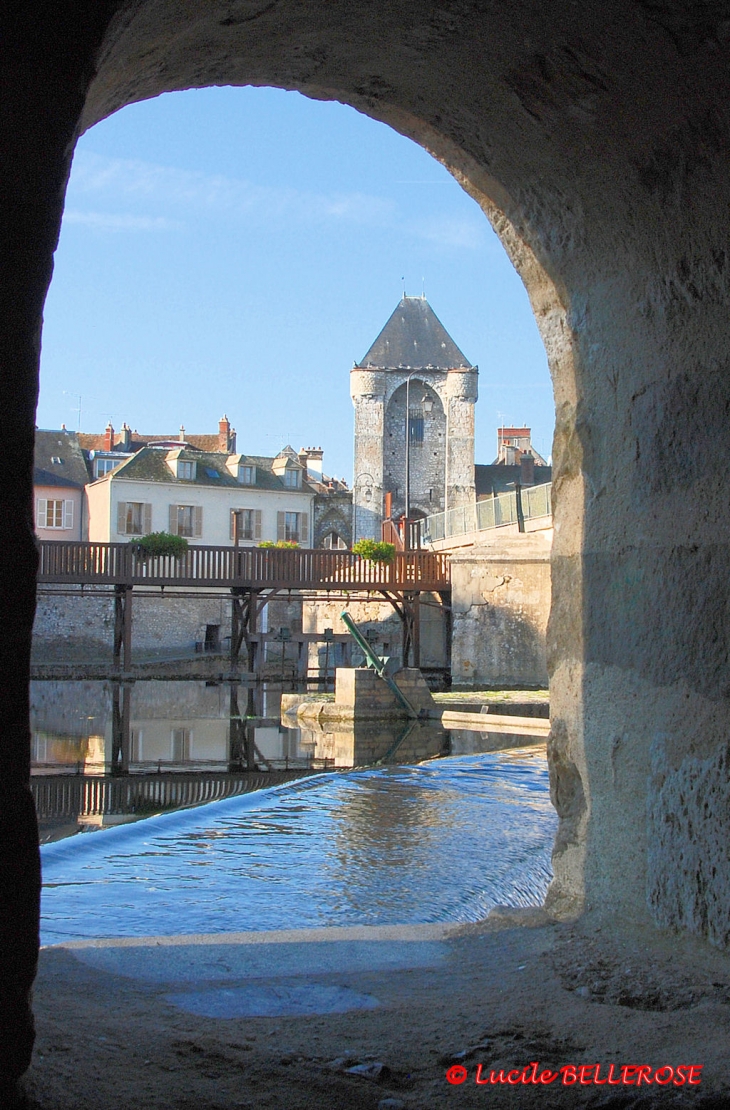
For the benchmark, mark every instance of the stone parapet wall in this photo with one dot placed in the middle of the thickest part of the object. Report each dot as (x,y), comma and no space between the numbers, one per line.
(501,605)
(78,625)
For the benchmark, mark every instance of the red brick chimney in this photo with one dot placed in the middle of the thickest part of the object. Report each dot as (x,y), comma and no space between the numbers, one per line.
(224,435)
(108,437)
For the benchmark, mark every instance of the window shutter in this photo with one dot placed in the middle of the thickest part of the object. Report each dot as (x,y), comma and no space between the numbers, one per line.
(233,523)
(281,526)
(41,512)
(304,528)
(257,524)
(147,521)
(122,518)
(198,526)
(68,514)
(173,520)
(231,527)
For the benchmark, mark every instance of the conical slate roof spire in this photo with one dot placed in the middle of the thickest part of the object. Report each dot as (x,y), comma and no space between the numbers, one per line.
(414,337)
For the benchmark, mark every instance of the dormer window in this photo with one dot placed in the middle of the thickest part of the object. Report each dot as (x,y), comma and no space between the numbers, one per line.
(243,472)
(180,467)
(103,466)
(55,459)
(292,478)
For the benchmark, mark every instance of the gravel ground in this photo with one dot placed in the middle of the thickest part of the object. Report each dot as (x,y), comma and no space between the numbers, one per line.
(512,991)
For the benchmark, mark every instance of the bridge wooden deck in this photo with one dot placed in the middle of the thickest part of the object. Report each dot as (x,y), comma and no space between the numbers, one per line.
(250,568)
(252,575)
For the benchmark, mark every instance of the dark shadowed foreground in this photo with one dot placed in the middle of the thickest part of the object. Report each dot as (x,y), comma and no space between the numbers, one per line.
(115,1027)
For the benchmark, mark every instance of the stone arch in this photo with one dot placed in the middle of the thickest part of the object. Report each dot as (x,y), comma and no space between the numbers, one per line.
(333,520)
(607,181)
(427,450)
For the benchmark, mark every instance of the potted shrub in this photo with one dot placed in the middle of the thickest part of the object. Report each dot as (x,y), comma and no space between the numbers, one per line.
(375,551)
(160,543)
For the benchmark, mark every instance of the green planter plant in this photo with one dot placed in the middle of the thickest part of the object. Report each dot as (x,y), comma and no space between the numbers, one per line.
(375,551)
(160,543)
(279,543)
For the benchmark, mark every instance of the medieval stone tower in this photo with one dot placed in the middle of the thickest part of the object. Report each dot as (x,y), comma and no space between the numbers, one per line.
(414,395)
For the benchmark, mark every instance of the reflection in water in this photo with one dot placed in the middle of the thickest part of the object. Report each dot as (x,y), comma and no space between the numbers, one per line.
(109,753)
(139,748)
(444,841)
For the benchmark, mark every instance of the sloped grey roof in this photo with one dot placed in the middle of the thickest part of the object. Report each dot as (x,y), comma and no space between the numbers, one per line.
(70,472)
(414,337)
(149,465)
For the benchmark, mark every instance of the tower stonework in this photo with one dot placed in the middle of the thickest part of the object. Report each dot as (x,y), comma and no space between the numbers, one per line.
(413,361)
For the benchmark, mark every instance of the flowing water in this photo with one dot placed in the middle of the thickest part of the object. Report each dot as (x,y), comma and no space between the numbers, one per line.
(409,842)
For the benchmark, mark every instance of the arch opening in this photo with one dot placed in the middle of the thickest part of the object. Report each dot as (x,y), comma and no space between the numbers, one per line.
(519,241)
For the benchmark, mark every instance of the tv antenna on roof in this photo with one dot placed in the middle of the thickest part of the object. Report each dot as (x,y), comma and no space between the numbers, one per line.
(67,393)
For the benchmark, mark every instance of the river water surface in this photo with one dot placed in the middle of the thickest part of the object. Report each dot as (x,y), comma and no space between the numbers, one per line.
(443,841)
(437,841)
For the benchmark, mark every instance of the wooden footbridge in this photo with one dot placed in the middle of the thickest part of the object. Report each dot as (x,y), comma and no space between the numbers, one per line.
(253,575)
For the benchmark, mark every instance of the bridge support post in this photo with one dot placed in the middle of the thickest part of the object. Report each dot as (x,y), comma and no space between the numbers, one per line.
(237,741)
(408,609)
(121,735)
(238,622)
(244,620)
(253,624)
(122,627)
(415,614)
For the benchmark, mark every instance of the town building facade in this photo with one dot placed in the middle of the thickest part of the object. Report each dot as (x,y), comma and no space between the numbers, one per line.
(59,478)
(210,498)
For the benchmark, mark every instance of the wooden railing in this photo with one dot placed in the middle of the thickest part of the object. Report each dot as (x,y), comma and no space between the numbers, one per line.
(252,567)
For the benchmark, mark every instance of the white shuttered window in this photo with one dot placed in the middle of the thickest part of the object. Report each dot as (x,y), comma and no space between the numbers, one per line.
(249,524)
(292,527)
(186,520)
(54,514)
(134,518)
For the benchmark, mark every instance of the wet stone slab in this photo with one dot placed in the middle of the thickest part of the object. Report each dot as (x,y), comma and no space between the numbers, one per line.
(272,1000)
(198,963)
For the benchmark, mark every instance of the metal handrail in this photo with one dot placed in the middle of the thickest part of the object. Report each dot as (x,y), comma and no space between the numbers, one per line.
(493,512)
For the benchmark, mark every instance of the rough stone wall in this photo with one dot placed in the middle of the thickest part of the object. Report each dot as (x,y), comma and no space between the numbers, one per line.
(361,692)
(689,824)
(380,619)
(332,513)
(441,468)
(461,390)
(501,603)
(80,626)
(427,465)
(368,395)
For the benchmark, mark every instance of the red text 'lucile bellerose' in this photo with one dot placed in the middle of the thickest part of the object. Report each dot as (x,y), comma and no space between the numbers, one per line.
(616,1075)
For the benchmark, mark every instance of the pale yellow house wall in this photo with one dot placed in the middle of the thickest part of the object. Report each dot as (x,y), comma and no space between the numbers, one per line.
(105,495)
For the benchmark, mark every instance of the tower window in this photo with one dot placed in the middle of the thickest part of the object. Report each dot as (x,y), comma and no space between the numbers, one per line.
(415,429)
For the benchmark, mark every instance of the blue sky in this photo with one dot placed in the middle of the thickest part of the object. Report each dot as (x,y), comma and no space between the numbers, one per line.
(236,250)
